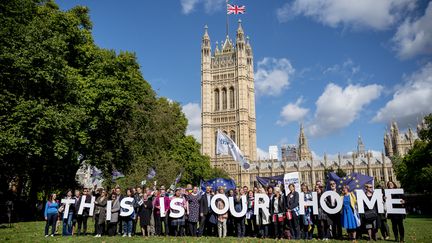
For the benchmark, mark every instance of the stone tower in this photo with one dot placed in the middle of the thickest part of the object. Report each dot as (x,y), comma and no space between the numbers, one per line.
(304,154)
(228,98)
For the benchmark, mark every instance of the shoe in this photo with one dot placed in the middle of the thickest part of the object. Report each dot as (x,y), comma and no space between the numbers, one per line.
(46,235)
(52,235)
(387,238)
(129,235)
(124,235)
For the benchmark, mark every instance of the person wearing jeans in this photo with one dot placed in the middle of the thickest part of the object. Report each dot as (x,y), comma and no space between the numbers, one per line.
(128,220)
(67,222)
(50,214)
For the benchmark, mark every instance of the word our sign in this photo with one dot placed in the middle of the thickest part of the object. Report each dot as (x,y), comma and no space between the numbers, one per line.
(262,202)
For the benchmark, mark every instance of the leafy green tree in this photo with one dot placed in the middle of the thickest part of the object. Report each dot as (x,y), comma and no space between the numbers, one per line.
(414,170)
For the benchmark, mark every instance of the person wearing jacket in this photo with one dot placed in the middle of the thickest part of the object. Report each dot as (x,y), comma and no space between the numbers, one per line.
(293,210)
(144,213)
(263,219)
(397,219)
(277,212)
(306,219)
(82,219)
(115,210)
(127,220)
(51,213)
(68,222)
(100,213)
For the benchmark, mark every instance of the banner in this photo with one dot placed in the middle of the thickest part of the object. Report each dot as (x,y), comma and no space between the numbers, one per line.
(271,180)
(228,184)
(294,178)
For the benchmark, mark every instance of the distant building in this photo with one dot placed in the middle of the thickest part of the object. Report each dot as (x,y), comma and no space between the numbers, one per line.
(397,143)
(289,152)
(273,152)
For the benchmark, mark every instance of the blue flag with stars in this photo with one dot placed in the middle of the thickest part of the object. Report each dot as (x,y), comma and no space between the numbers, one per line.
(353,180)
(227,184)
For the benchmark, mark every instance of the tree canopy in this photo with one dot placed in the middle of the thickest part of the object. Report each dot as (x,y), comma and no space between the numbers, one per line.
(414,170)
(65,100)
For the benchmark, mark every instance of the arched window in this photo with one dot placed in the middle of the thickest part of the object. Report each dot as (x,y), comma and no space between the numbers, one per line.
(233,135)
(224,99)
(217,101)
(231,98)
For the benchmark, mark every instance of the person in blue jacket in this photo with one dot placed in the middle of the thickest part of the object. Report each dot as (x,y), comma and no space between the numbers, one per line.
(51,213)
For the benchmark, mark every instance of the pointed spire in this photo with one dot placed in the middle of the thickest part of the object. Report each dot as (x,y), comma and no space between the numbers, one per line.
(217,47)
(240,28)
(206,30)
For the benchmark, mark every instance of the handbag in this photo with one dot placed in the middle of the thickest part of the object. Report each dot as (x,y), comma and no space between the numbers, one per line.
(281,217)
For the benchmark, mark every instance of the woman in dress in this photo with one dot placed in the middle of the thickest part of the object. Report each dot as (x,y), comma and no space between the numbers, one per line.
(349,215)
(144,213)
(178,224)
(193,205)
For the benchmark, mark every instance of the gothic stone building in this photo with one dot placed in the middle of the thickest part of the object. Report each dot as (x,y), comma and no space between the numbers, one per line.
(228,103)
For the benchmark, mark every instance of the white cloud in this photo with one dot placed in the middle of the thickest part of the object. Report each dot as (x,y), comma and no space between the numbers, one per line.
(415,37)
(192,112)
(262,154)
(188,5)
(337,107)
(378,15)
(210,6)
(273,76)
(409,101)
(292,112)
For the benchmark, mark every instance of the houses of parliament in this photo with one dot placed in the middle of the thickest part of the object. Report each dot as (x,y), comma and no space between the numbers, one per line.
(228,104)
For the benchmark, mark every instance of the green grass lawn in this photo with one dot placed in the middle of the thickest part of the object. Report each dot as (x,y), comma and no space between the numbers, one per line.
(416,230)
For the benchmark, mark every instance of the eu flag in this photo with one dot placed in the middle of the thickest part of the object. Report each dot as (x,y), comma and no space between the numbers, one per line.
(353,180)
(227,184)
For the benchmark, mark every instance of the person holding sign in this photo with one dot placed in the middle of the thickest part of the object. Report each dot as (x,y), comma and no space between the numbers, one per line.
(397,219)
(293,211)
(277,211)
(349,213)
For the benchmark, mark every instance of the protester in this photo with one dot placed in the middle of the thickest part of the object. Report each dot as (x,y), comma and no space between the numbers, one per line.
(205,214)
(82,218)
(68,222)
(100,213)
(382,219)
(397,219)
(222,218)
(120,219)
(349,213)
(370,216)
(277,211)
(240,221)
(263,219)
(306,218)
(178,224)
(193,209)
(127,220)
(250,217)
(322,219)
(293,211)
(144,213)
(334,219)
(115,209)
(51,213)
(137,195)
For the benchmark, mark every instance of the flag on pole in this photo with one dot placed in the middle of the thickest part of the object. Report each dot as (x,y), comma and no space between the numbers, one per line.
(225,145)
(116,174)
(235,9)
(151,174)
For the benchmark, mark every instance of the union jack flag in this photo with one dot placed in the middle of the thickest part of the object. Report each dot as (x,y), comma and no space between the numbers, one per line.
(235,9)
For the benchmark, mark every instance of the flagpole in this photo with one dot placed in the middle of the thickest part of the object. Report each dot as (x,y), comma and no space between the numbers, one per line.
(226,14)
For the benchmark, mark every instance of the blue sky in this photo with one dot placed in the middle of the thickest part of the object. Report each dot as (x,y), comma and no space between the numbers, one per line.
(343,68)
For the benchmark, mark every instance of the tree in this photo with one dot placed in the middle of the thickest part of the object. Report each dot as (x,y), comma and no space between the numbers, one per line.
(414,170)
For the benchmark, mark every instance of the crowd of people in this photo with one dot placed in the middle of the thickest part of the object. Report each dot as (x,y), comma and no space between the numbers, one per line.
(199,219)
